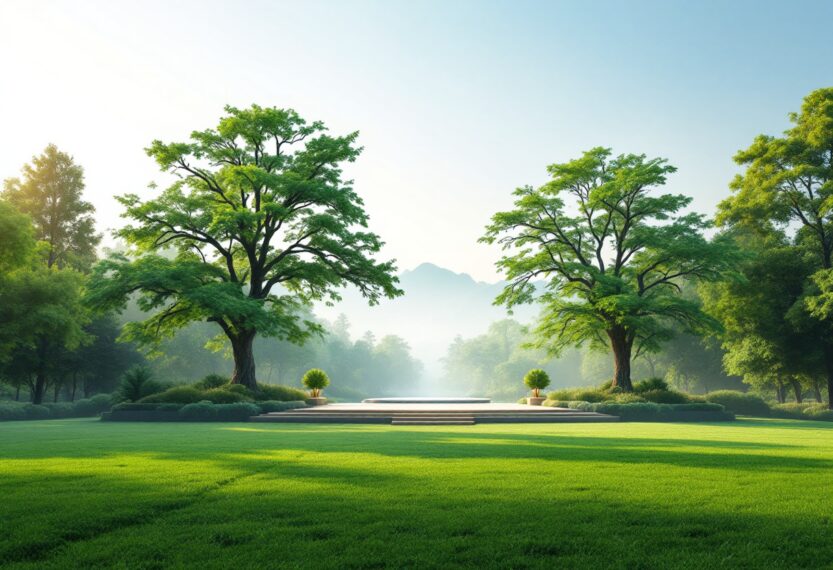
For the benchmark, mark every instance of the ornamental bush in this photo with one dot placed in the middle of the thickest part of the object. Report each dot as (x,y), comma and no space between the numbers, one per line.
(274,392)
(316,380)
(176,395)
(198,412)
(137,383)
(536,380)
(664,396)
(92,406)
(651,384)
(226,396)
(276,406)
(740,402)
(212,381)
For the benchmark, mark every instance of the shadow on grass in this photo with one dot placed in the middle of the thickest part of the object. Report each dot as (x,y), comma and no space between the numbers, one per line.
(266,514)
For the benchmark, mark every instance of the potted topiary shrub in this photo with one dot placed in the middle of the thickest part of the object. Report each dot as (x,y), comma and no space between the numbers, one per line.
(536,380)
(316,380)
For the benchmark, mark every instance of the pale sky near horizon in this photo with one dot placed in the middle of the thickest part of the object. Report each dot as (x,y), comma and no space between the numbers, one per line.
(457,102)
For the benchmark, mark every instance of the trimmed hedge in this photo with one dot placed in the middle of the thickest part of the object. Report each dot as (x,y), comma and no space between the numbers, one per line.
(649,411)
(91,407)
(274,392)
(275,406)
(203,411)
(146,407)
(740,402)
(227,394)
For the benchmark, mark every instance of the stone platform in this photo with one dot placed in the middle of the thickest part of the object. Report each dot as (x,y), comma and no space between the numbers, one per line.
(431,414)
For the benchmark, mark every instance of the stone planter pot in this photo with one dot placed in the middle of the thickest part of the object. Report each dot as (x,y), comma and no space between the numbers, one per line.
(535,401)
(316,401)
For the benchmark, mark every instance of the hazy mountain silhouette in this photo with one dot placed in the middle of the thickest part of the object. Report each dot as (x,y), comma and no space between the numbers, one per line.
(438,305)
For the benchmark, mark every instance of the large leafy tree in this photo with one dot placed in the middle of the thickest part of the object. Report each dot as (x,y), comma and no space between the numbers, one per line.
(261,222)
(769,338)
(612,254)
(40,308)
(50,193)
(788,183)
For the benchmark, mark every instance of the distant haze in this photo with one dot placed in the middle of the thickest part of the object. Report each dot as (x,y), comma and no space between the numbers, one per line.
(438,306)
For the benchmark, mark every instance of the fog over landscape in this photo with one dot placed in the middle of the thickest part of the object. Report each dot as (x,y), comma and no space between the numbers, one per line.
(438,306)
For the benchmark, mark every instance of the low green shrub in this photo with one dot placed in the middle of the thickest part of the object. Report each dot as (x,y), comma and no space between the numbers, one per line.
(198,412)
(276,406)
(627,398)
(146,407)
(238,412)
(176,395)
(137,383)
(788,411)
(92,406)
(522,401)
(279,393)
(212,381)
(37,412)
(225,395)
(12,411)
(650,385)
(664,397)
(740,402)
(61,409)
(582,394)
(208,412)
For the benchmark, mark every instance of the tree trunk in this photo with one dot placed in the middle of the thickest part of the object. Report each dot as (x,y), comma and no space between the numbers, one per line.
(74,387)
(797,390)
(621,347)
(244,360)
(17,394)
(780,393)
(40,387)
(827,351)
(817,391)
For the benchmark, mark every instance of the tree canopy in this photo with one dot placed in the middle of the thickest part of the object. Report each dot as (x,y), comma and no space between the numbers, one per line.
(50,193)
(612,256)
(261,224)
(788,185)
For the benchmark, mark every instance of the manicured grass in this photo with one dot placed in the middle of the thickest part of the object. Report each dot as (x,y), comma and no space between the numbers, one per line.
(83,493)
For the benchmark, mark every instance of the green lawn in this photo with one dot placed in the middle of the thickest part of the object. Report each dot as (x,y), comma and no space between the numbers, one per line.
(82,493)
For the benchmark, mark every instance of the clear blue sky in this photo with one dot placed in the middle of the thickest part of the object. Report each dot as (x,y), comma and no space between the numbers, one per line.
(457,102)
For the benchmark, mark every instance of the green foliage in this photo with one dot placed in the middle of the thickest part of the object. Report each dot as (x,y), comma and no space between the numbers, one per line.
(269,406)
(225,396)
(17,237)
(651,384)
(536,380)
(788,187)
(267,392)
(54,410)
(146,407)
(212,381)
(316,380)
(50,194)
(630,398)
(136,384)
(198,412)
(631,299)
(262,225)
(664,396)
(176,395)
(740,402)
(651,412)
(208,412)
(93,406)
(580,394)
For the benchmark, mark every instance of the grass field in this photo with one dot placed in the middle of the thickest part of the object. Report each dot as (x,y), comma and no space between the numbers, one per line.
(81,493)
